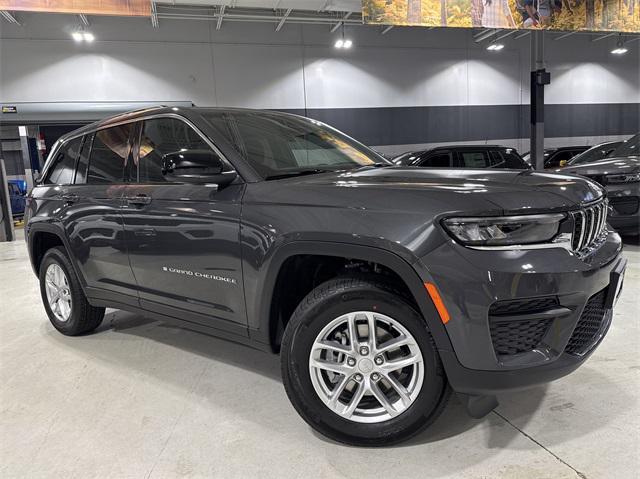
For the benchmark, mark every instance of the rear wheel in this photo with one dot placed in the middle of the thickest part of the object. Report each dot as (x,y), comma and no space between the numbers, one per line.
(359,364)
(63,298)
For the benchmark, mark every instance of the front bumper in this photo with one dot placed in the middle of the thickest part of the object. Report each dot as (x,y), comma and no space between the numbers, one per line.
(471,281)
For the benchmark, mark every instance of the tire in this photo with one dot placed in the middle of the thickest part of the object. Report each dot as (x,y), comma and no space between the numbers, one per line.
(317,312)
(82,317)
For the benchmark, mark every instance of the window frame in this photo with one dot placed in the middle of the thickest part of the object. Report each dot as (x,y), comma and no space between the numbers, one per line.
(138,119)
(138,137)
(431,154)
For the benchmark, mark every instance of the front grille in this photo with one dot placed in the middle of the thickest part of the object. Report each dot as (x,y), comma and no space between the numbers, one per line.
(625,205)
(523,306)
(513,337)
(589,225)
(589,324)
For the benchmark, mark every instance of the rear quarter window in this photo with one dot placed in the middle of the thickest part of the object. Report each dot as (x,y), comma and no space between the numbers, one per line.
(63,167)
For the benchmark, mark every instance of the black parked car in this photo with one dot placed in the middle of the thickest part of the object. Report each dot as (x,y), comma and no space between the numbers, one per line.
(557,157)
(382,287)
(594,153)
(467,156)
(619,174)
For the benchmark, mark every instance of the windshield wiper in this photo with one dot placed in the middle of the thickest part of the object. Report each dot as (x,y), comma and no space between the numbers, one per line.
(290,174)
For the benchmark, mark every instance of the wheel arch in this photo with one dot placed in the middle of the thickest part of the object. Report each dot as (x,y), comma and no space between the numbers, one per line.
(268,327)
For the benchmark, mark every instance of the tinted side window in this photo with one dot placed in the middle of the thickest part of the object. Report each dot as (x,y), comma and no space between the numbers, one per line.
(64,165)
(159,137)
(555,160)
(440,160)
(109,154)
(83,160)
(474,159)
(507,159)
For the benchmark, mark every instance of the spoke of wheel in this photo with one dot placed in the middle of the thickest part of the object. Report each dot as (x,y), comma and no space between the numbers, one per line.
(331,346)
(355,400)
(400,389)
(382,399)
(394,343)
(337,391)
(353,331)
(330,366)
(52,293)
(371,324)
(401,363)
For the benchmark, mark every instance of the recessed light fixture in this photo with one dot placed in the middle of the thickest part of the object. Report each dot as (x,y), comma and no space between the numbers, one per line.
(339,43)
(77,36)
(88,37)
(494,47)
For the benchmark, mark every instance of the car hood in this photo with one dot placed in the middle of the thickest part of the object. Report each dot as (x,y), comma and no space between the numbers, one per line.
(608,166)
(437,190)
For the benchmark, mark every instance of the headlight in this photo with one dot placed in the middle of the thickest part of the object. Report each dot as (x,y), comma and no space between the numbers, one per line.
(505,230)
(631,178)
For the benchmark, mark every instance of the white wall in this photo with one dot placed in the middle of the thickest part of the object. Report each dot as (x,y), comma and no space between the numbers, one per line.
(250,65)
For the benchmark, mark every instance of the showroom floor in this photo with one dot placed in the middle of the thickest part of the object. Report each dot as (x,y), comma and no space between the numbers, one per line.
(141,399)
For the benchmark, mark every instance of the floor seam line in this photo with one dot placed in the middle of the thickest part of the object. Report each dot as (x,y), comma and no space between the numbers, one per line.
(581,475)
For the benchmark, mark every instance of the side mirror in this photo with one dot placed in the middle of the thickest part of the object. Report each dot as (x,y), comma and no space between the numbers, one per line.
(196,167)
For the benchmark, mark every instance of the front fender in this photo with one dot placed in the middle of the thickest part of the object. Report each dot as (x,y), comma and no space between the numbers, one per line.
(405,265)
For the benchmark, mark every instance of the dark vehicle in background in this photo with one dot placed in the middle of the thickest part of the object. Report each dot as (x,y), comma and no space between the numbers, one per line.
(594,153)
(557,157)
(467,156)
(619,174)
(17,200)
(382,287)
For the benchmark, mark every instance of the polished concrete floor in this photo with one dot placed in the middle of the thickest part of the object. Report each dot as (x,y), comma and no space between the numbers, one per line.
(141,399)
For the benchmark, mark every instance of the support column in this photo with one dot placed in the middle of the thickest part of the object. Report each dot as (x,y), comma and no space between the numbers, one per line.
(26,156)
(539,78)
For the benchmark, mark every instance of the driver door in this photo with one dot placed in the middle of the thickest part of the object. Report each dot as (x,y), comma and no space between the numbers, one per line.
(183,238)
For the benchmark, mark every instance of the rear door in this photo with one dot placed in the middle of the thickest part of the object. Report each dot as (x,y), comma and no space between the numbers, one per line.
(93,220)
(183,239)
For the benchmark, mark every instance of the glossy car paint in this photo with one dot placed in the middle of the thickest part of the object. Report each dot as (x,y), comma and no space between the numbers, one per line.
(597,171)
(389,216)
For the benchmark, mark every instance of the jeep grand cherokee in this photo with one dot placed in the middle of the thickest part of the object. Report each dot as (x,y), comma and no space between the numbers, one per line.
(382,287)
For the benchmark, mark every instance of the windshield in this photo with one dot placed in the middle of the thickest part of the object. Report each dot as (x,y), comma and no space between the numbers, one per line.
(630,147)
(277,146)
(596,153)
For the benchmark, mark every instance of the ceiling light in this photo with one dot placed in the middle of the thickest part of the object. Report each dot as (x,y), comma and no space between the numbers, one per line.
(77,36)
(339,43)
(88,37)
(347,44)
(495,47)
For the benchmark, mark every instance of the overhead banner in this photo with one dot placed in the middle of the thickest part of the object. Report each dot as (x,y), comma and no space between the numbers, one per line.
(128,8)
(571,15)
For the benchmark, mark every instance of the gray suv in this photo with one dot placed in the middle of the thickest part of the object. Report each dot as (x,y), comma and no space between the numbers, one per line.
(619,174)
(383,287)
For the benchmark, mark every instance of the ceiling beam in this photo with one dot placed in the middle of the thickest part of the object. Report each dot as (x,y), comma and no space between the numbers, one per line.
(564,35)
(522,35)
(84,20)
(220,17)
(154,15)
(478,37)
(505,35)
(9,17)
(341,22)
(276,4)
(283,19)
(324,6)
(386,29)
(602,37)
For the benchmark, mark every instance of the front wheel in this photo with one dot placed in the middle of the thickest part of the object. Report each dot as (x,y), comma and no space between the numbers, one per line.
(359,364)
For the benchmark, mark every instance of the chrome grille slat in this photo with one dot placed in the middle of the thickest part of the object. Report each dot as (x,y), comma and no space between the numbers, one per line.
(590,224)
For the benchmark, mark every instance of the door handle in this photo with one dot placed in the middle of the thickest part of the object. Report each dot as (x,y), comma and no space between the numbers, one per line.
(69,198)
(140,200)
